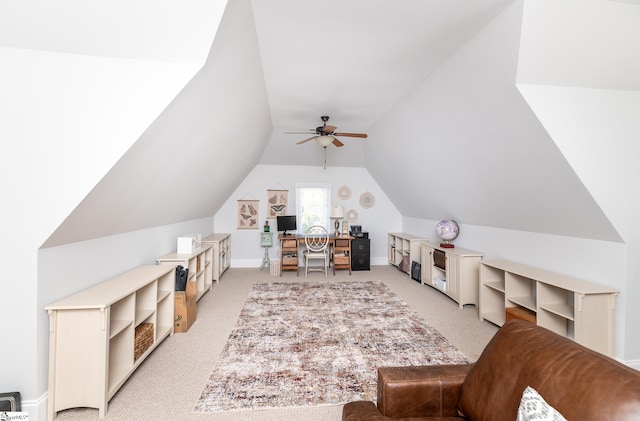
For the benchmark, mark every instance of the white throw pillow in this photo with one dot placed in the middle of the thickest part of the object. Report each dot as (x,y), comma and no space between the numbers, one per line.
(534,408)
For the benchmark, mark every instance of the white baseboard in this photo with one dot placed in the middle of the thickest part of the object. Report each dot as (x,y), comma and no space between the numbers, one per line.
(256,263)
(36,409)
(635,364)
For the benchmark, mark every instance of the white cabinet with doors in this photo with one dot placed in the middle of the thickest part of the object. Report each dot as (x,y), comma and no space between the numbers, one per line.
(454,271)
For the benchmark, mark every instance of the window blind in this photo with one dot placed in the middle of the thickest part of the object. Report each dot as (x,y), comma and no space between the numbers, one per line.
(312,205)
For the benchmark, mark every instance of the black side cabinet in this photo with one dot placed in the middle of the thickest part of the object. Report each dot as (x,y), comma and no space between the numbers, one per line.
(360,254)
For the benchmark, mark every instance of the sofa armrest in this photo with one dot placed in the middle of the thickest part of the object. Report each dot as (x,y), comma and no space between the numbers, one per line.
(361,411)
(420,391)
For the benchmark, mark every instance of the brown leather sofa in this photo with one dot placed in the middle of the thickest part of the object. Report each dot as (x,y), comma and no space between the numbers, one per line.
(581,384)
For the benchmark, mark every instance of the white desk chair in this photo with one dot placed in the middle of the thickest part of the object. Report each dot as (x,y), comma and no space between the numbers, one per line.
(316,240)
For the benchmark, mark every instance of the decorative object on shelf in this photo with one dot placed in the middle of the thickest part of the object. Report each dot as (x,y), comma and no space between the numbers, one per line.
(267,228)
(367,200)
(345,227)
(448,230)
(344,192)
(337,213)
(352,216)
(277,201)
(248,214)
(189,243)
(182,274)
(143,339)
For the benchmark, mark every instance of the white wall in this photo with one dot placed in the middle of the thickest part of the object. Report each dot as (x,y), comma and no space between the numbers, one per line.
(581,76)
(593,260)
(58,138)
(246,250)
(580,43)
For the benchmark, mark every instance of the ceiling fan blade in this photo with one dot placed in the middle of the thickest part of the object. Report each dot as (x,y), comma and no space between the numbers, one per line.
(362,135)
(306,140)
(337,142)
(327,129)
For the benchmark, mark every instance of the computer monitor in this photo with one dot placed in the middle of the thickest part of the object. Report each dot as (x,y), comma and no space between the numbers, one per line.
(286,223)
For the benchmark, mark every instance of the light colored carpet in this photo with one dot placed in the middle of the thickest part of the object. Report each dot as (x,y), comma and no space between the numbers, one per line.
(169,382)
(309,344)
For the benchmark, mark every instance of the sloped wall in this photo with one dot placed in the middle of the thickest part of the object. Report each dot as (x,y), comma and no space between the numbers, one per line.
(581,77)
(466,145)
(198,149)
(66,120)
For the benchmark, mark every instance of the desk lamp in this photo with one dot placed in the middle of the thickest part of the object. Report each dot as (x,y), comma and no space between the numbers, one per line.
(337,213)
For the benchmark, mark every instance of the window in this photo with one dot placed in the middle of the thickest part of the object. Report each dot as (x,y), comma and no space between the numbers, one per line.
(312,206)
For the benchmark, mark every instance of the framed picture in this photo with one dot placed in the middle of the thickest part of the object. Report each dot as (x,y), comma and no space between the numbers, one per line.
(248,214)
(277,202)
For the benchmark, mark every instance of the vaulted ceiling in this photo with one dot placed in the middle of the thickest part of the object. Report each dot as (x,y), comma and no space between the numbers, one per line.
(433,82)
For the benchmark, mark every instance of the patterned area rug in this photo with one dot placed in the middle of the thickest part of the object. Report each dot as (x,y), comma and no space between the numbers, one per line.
(306,344)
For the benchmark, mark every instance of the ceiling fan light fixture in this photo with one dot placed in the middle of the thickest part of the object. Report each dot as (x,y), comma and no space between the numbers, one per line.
(324,141)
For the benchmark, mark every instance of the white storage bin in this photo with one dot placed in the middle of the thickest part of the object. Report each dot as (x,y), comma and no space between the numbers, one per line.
(189,243)
(274,267)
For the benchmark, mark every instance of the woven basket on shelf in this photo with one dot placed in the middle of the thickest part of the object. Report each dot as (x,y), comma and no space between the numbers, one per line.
(143,339)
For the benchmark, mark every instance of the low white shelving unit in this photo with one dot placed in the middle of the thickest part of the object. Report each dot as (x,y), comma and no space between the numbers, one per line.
(200,264)
(221,244)
(404,249)
(98,337)
(578,309)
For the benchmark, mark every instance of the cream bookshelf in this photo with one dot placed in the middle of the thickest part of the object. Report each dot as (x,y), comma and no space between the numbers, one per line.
(578,309)
(200,264)
(403,249)
(93,336)
(221,244)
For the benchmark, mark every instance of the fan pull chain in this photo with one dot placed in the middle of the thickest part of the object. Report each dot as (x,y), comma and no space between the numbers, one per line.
(325,157)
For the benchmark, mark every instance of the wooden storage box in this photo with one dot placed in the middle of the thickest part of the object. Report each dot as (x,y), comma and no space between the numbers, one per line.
(520,313)
(342,242)
(184,308)
(341,259)
(290,243)
(289,260)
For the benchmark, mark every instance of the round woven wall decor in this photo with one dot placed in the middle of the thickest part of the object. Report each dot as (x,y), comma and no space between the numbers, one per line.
(352,216)
(344,192)
(367,200)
